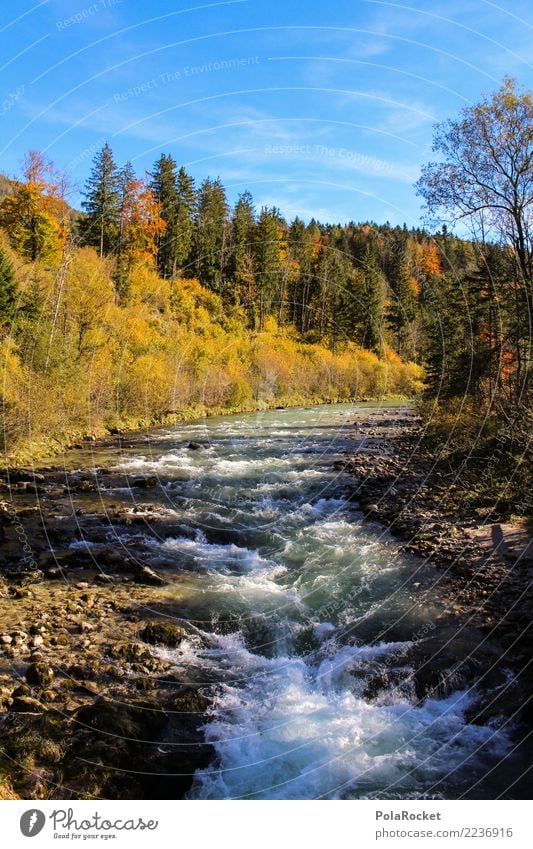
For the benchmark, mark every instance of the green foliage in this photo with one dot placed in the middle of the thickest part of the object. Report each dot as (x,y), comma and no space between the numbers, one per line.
(241,263)
(211,235)
(102,203)
(267,264)
(9,292)
(370,299)
(175,193)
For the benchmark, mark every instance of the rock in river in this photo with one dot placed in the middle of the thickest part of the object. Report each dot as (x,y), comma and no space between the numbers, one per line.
(164,633)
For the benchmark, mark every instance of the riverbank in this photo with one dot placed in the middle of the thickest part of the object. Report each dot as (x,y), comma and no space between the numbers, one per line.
(144,574)
(36,451)
(485,564)
(83,683)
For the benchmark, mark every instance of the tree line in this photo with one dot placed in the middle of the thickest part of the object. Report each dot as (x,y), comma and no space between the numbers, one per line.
(459,306)
(331,283)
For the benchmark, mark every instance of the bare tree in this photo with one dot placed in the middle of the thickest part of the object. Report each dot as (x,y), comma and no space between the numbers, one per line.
(486,174)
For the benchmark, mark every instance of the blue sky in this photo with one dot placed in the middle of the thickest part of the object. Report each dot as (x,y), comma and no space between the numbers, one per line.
(323,109)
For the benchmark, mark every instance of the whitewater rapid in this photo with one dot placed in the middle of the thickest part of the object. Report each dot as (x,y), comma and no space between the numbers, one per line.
(281,576)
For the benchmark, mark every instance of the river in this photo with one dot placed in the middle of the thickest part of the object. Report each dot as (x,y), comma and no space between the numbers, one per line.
(307,619)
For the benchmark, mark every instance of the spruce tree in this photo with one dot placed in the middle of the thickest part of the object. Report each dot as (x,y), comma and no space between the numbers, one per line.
(102,203)
(211,236)
(128,185)
(267,262)
(402,309)
(371,302)
(241,264)
(185,220)
(164,186)
(301,253)
(8,290)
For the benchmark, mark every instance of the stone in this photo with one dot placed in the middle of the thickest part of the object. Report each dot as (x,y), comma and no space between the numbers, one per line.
(145,575)
(19,636)
(145,483)
(39,675)
(86,486)
(190,701)
(27,704)
(132,653)
(162,632)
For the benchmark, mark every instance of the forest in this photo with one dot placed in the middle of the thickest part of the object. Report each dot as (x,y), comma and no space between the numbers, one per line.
(157,299)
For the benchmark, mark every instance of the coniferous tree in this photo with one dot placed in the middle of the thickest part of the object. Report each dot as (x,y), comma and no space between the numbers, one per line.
(267,264)
(334,311)
(185,220)
(102,203)
(211,235)
(241,263)
(301,253)
(164,186)
(8,290)
(127,190)
(402,308)
(139,229)
(371,302)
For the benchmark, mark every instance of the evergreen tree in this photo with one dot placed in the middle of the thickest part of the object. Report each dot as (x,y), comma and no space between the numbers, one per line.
(164,186)
(140,227)
(330,317)
(211,236)
(371,302)
(185,220)
(267,264)
(301,253)
(127,190)
(241,263)
(102,203)
(402,308)
(8,290)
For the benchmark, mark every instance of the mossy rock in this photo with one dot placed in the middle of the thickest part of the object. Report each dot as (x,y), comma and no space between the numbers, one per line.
(39,675)
(190,701)
(131,653)
(26,704)
(163,633)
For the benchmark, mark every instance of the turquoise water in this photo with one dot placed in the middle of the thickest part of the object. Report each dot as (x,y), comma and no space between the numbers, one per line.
(281,577)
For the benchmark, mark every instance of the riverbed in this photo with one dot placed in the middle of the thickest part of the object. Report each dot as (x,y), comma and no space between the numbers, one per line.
(315,638)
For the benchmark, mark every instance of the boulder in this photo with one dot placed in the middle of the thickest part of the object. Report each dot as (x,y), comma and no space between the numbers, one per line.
(163,633)
(145,483)
(39,675)
(189,701)
(26,704)
(145,575)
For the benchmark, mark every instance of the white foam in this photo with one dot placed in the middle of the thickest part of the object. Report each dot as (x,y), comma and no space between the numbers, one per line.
(289,732)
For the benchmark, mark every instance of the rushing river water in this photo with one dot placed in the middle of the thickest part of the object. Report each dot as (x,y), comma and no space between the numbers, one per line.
(306,616)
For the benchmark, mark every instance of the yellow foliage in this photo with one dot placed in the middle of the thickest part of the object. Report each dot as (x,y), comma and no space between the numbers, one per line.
(87,360)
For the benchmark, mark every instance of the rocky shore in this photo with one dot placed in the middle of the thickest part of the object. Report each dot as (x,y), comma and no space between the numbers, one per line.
(485,563)
(89,705)
(93,700)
